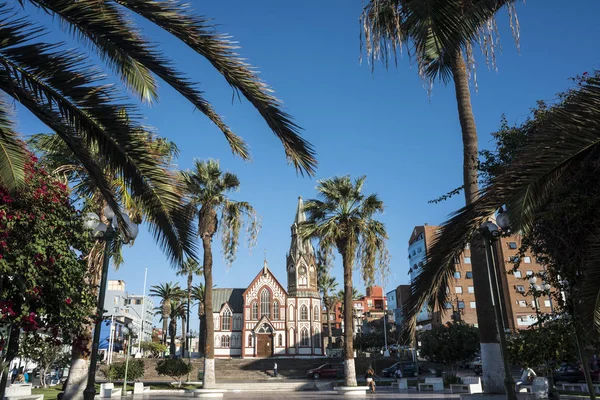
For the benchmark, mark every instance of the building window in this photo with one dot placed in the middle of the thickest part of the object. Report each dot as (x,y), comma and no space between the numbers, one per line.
(317,338)
(316,313)
(467,260)
(471,289)
(370,303)
(291,316)
(457,275)
(265,303)
(467,246)
(275,310)
(292,338)
(225,341)
(512,245)
(226,321)
(522,303)
(458,289)
(117,300)
(461,305)
(448,305)
(520,289)
(517,274)
(304,339)
(331,317)
(250,340)
(280,340)
(469,274)
(513,259)
(255,310)
(303,313)
(237,323)
(547,303)
(529,272)
(472,304)
(527,260)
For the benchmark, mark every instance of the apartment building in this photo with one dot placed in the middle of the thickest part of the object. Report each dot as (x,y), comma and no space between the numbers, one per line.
(519,307)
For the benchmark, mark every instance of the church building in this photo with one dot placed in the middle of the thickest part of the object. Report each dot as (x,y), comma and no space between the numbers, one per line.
(267,320)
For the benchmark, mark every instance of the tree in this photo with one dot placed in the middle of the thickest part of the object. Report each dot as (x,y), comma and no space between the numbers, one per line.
(155,348)
(189,269)
(561,152)
(207,188)
(44,350)
(344,220)
(167,292)
(176,368)
(450,345)
(178,311)
(198,295)
(43,272)
(439,34)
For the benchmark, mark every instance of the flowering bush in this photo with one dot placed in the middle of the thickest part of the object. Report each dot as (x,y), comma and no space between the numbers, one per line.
(42,270)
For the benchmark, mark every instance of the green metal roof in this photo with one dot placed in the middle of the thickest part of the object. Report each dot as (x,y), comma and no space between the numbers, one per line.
(227,295)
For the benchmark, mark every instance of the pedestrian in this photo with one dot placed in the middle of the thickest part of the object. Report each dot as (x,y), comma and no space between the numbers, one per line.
(275,370)
(370,378)
(14,374)
(527,377)
(398,373)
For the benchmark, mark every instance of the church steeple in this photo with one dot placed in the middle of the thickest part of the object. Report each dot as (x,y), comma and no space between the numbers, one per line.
(301,262)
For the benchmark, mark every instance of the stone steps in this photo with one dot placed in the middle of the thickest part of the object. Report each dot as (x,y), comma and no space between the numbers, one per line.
(283,386)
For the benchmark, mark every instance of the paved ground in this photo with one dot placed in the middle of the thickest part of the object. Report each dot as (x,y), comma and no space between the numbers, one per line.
(382,394)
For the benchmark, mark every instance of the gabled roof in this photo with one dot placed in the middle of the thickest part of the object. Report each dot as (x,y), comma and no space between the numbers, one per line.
(233,297)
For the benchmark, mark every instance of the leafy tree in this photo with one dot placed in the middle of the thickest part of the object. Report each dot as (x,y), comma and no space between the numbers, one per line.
(450,344)
(189,269)
(43,273)
(116,371)
(154,348)
(207,188)
(167,292)
(44,350)
(344,220)
(176,368)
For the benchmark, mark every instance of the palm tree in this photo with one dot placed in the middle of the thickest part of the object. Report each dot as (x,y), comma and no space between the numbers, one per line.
(343,219)
(62,87)
(178,310)
(328,285)
(568,135)
(439,34)
(198,295)
(207,188)
(168,293)
(189,269)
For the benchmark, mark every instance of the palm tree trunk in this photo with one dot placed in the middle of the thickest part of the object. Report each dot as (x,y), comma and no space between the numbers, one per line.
(349,369)
(208,380)
(173,335)
(189,305)
(329,333)
(165,318)
(183,331)
(493,371)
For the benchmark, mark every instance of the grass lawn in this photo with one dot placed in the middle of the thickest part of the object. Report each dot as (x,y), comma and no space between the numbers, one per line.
(51,392)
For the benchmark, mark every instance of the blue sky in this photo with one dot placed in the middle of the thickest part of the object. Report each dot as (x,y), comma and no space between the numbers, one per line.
(382,125)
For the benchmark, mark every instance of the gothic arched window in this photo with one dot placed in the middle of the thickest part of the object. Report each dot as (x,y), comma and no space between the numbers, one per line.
(249,340)
(316,313)
(265,303)
(303,313)
(225,341)
(275,310)
(292,338)
(255,310)
(280,340)
(304,340)
(226,321)
(291,316)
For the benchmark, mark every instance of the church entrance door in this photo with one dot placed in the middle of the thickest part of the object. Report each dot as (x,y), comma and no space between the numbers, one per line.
(264,347)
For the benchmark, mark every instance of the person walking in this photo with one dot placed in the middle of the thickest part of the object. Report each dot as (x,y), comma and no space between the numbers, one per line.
(14,374)
(370,378)
(275,370)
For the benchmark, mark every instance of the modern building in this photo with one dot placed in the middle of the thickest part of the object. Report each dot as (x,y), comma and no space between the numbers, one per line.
(519,307)
(402,294)
(265,319)
(392,306)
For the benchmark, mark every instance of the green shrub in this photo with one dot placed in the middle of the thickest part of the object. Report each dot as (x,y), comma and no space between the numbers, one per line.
(116,371)
(176,368)
(155,348)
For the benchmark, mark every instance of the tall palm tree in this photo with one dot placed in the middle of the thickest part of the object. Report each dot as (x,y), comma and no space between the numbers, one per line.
(568,135)
(439,35)
(328,285)
(207,188)
(168,293)
(62,86)
(343,218)
(178,311)
(189,269)
(198,295)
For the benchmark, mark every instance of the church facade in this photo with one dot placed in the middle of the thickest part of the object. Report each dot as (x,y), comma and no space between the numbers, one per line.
(265,319)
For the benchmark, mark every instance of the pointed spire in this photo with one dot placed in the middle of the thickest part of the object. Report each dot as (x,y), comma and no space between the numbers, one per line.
(265,266)
(300,217)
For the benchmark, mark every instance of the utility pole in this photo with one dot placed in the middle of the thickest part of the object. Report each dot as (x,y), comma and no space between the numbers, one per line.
(143,314)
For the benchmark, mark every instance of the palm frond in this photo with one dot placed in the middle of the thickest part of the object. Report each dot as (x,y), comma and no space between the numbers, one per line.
(196,32)
(12,152)
(567,134)
(588,307)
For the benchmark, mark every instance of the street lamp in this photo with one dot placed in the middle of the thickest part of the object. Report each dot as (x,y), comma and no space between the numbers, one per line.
(128,330)
(108,233)
(490,232)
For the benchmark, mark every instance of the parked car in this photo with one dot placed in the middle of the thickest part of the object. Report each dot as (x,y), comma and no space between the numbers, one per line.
(573,373)
(327,371)
(475,363)
(408,368)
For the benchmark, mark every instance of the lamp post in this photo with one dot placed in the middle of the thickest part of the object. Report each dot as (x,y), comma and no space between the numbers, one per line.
(537,291)
(108,233)
(490,232)
(128,330)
